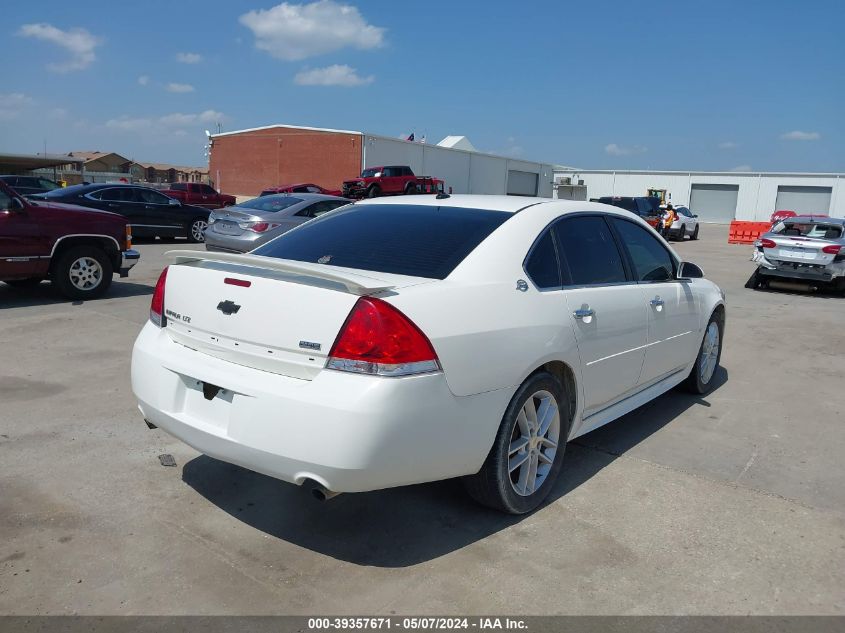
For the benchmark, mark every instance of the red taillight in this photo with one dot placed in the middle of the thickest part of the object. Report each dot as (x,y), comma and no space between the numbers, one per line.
(767,243)
(261,227)
(157,303)
(243,283)
(378,339)
(833,249)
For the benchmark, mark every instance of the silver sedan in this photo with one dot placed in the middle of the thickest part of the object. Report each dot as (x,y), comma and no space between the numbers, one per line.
(246,226)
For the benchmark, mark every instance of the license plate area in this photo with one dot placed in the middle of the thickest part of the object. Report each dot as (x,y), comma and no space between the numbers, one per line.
(225,227)
(207,403)
(798,253)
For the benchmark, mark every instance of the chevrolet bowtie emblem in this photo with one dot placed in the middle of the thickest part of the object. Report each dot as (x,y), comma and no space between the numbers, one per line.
(228,307)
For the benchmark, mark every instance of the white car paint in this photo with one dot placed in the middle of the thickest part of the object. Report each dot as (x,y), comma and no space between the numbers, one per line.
(282,413)
(687,221)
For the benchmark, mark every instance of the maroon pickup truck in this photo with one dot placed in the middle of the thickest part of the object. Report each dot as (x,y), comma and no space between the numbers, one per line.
(393,180)
(198,194)
(76,248)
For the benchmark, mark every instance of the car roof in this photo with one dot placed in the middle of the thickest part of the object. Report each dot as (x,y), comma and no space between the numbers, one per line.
(303,196)
(508,204)
(813,219)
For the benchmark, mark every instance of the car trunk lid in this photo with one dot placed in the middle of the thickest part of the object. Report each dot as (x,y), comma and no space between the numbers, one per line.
(800,250)
(276,315)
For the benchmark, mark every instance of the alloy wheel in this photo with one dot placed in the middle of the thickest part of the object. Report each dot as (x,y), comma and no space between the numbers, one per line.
(534,442)
(198,228)
(85,273)
(709,352)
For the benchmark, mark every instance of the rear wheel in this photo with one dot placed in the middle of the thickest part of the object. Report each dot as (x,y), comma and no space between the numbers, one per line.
(83,272)
(694,235)
(700,379)
(196,231)
(373,192)
(410,189)
(682,233)
(527,454)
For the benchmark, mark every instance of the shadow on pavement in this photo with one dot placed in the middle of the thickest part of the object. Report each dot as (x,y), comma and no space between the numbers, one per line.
(46,294)
(399,527)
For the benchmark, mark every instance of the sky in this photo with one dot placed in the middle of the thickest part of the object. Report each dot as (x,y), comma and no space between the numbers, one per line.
(739,85)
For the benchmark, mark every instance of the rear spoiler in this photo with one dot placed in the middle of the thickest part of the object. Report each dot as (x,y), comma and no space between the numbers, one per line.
(355,283)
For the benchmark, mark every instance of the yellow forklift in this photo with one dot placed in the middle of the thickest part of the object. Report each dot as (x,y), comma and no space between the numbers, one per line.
(659,193)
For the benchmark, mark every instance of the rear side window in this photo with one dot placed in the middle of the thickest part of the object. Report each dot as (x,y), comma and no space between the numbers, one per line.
(589,251)
(421,241)
(118,194)
(541,264)
(651,261)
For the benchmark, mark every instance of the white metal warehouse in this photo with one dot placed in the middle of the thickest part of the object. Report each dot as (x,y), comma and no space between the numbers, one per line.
(722,196)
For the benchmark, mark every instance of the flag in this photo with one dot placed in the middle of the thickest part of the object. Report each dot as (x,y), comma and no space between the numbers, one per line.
(411,137)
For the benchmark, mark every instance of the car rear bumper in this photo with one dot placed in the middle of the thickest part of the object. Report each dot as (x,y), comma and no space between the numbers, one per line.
(232,243)
(799,270)
(348,432)
(128,259)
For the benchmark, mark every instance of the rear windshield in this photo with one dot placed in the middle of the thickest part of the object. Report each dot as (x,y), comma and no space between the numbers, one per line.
(402,239)
(629,204)
(809,229)
(270,203)
(66,191)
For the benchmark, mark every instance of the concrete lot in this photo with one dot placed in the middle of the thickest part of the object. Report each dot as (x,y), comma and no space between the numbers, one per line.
(729,504)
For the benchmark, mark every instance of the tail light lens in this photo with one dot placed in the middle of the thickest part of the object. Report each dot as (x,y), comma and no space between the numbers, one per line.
(258,227)
(157,302)
(767,243)
(833,249)
(378,339)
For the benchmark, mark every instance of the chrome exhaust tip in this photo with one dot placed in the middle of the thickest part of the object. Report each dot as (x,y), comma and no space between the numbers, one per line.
(320,492)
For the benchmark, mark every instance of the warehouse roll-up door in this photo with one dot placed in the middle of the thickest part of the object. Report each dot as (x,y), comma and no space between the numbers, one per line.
(804,199)
(522,183)
(714,203)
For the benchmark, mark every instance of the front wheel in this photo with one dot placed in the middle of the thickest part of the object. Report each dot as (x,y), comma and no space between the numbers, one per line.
(527,454)
(196,231)
(700,379)
(83,272)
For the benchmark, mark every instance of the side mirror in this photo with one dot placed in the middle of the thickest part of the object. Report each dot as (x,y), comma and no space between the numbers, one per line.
(695,215)
(174,202)
(688,270)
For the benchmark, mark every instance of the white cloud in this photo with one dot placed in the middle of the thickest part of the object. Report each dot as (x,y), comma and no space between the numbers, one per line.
(143,80)
(798,135)
(728,145)
(58,113)
(297,31)
(336,75)
(78,42)
(179,88)
(167,123)
(742,168)
(188,58)
(13,103)
(618,150)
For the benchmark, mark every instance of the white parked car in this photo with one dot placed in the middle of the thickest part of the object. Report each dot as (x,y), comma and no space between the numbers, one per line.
(684,225)
(394,342)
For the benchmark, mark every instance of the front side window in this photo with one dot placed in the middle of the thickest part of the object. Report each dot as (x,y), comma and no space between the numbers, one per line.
(116,194)
(47,185)
(179,186)
(5,201)
(589,251)
(652,262)
(541,265)
(151,197)
(206,190)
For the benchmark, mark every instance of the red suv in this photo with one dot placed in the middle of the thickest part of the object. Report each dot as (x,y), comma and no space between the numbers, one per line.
(78,249)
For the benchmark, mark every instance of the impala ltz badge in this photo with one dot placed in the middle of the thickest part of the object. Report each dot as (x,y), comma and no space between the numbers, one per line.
(228,307)
(310,345)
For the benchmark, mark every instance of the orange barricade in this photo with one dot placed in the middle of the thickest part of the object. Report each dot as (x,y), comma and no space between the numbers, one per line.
(742,232)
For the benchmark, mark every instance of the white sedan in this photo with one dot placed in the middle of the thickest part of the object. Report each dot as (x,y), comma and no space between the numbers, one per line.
(393,342)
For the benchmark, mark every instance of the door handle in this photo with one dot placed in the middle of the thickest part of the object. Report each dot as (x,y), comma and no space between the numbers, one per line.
(112,205)
(583,313)
(657,302)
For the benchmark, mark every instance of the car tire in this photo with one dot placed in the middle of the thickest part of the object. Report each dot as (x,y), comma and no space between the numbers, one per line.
(373,192)
(82,272)
(196,230)
(541,449)
(682,233)
(700,380)
(410,189)
(29,282)
(694,235)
